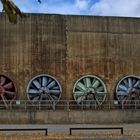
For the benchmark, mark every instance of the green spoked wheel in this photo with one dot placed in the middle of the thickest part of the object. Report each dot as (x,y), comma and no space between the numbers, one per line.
(89,90)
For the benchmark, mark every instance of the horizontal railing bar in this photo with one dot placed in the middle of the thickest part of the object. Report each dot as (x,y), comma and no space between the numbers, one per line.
(26,129)
(96,128)
(69,104)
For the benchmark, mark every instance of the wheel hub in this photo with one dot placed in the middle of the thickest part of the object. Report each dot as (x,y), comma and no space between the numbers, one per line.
(44,90)
(90,90)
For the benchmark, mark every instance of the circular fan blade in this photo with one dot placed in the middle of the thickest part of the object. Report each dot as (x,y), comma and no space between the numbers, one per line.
(45,88)
(128,88)
(8,90)
(44,81)
(52,84)
(89,89)
(37,84)
(81,86)
(2,80)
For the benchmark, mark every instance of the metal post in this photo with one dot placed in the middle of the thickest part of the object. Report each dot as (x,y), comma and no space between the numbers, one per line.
(46,132)
(109,105)
(68,106)
(135,105)
(70,131)
(122,131)
(122,106)
(10,105)
(25,104)
(39,105)
(53,105)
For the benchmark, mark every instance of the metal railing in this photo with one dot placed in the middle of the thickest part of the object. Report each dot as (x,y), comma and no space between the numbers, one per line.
(70,105)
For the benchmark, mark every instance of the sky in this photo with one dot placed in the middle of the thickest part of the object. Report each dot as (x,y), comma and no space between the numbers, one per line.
(125,8)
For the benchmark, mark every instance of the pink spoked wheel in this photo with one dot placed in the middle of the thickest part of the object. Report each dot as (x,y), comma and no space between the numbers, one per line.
(7,90)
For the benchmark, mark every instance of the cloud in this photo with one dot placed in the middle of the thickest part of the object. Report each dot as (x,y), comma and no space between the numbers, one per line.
(130,8)
(82,4)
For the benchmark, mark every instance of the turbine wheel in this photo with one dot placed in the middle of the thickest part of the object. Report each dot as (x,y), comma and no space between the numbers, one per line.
(89,90)
(44,88)
(128,90)
(7,90)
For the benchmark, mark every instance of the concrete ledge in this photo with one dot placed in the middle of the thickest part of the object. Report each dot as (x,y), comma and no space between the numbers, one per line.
(65,117)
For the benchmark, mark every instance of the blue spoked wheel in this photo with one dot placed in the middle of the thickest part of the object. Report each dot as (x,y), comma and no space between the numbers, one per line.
(128,89)
(44,88)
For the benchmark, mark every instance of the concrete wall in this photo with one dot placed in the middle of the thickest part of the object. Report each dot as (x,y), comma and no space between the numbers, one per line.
(68,47)
(35,45)
(64,117)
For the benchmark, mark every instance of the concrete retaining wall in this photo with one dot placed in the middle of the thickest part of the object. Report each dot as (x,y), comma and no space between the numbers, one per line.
(68,117)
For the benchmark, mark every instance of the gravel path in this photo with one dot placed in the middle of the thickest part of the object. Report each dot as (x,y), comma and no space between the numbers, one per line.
(64,129)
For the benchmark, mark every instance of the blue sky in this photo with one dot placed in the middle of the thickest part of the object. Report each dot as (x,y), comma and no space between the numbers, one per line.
(130,8)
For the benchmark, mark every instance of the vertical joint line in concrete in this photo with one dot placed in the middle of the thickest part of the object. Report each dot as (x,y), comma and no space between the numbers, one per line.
(66,53)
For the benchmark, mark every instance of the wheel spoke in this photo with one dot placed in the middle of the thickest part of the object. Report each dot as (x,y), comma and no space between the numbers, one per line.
(137,83)
(57,88)
(44,81)
(79,93)
(96,84)
(98,102)
(125,82)
(81,86)
(55,92)
(80,99)
(87,82)
(5,101)
(130,82)
(37,84)
(2,80)
(99,89)
(54,97)
(122,93)
(52,84)
(33,91)
(34,98)
(8,86)
(122,87)
(10,93)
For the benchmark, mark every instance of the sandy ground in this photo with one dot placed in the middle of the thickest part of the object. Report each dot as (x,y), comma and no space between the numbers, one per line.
(61,132)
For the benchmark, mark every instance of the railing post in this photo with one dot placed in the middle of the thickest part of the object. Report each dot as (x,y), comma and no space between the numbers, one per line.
(122,105)
(53,105)
(67,105)
(95,105)
(10,105)
(39,105)
(135,105)
(109,105)
(82,105)
(46,132)
(25,103)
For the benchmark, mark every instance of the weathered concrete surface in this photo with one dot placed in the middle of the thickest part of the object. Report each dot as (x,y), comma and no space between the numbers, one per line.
(104,46)
(68,47)
(69,117)
(35,45)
